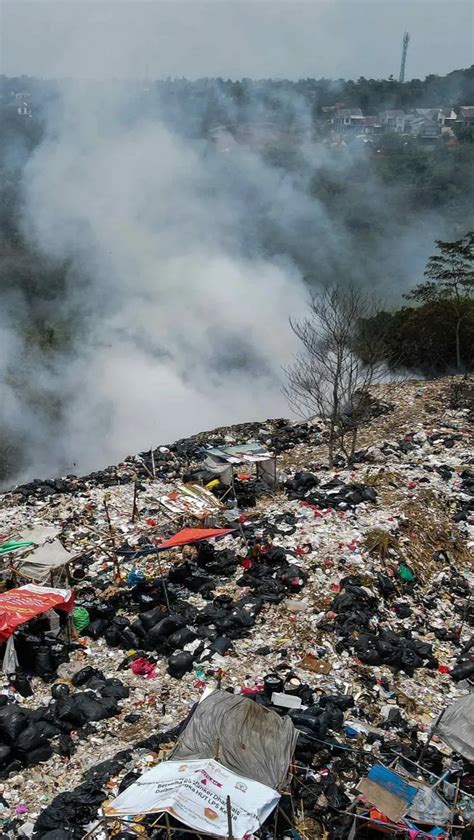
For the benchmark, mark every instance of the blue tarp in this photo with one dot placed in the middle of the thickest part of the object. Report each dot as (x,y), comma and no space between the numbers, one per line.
(393,783)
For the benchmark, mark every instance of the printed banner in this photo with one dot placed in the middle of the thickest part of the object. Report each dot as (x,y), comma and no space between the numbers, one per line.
(20,605)
(195,792)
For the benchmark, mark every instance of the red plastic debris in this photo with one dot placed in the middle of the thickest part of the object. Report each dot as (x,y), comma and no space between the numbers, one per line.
(143,668)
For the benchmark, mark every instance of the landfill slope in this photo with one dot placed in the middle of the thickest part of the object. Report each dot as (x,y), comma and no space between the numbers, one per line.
(356,581)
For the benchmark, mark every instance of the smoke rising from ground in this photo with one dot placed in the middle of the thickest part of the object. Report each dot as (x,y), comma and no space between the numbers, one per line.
(183,264)
(183,323)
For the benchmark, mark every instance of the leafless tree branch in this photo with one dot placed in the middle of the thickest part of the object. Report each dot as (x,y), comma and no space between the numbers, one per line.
(336,363)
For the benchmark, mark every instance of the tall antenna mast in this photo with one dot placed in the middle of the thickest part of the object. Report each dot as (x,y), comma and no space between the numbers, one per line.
(405,42)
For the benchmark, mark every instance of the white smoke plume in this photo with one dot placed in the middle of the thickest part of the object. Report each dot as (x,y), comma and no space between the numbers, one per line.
(183,266)
(184,326)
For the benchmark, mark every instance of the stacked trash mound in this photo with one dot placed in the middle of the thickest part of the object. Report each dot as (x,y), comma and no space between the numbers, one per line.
(332,494)
(341,600)
(30,736)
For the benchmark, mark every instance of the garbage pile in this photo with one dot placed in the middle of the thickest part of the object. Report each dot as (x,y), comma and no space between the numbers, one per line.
(341,600)
(28,735)
(175,460)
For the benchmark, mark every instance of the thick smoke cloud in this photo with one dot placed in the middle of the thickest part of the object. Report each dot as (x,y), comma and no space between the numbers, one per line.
(183,263)
(183,323)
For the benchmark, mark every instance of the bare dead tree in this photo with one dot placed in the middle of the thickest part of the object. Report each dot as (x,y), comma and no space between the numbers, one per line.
(329,377)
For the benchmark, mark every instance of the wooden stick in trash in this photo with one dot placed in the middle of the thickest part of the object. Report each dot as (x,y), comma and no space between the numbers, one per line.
(99,547)
(134,506)
(466,610)
(112,536)
(153,462)
(229,819)
(164,583)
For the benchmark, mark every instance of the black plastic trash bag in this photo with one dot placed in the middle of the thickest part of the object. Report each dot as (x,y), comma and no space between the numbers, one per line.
(68,711)
(44,663)
(464,671)
(13,720)
(22,684)
(96,629)
(5,753)
(85,674)
(43,753)
(35,735)
(59,654)
(165,628)
(60,690)
(180,638)
(179,663)
(94,708)
(115,689)
(221,645)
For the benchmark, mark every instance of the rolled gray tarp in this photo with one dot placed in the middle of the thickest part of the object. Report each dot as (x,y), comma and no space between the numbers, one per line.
(456,726)
(247,739)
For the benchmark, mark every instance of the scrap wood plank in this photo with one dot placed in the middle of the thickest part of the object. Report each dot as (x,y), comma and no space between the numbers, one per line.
(390,794)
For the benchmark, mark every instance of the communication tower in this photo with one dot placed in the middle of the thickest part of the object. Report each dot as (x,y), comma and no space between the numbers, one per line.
(405,42)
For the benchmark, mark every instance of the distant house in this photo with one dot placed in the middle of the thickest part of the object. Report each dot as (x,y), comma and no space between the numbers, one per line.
(370,125)
(466,115)
(348,120)
(446,117)
(393,120)
(24,109)
(428,113)
(21,102)
(422,127)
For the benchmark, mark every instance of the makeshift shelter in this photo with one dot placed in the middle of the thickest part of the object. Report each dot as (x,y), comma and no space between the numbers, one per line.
(17,606)
(221,460)
(39,534)
(36,535)
(37,554)
(222,776)
(187,536)
(44,562)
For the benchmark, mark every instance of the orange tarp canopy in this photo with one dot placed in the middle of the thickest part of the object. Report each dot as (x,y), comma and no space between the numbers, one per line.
(192,535)
(20,605)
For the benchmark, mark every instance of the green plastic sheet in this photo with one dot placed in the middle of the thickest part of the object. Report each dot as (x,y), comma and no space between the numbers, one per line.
(11,545)
(80,618)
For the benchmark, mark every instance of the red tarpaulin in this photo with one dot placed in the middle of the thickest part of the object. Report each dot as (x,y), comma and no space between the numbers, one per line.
(193,535)
(20,605)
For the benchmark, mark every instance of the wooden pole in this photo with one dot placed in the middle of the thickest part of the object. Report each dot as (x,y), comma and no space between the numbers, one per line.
(153,462)
(229,819)
(112,538)
(466,610)
(134,506)
(430,737)
(164,584)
